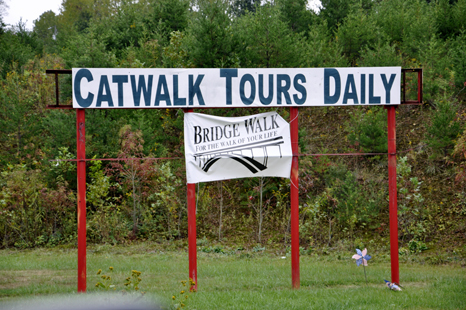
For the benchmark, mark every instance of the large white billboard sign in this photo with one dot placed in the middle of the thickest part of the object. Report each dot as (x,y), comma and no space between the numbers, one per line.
(223,88)
(220,148)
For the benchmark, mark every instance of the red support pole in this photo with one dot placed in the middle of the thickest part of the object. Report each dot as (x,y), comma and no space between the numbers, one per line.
(294,192)
(192,247)
(392,192)
(81,155)
(192,234)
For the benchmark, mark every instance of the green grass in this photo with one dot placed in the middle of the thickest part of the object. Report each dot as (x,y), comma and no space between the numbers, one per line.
(236,281)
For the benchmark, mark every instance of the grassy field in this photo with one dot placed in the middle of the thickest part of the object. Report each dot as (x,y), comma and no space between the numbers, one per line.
(241,280)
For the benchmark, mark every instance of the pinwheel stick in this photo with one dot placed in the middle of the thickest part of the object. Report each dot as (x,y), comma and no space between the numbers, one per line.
(365,272)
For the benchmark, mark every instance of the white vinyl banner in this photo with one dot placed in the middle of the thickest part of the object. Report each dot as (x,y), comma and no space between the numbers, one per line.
(220,148)
(222,88)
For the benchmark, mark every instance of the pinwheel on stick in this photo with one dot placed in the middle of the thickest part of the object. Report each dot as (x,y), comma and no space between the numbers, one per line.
(361,258)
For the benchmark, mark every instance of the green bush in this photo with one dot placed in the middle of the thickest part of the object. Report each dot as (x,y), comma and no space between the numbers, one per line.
(321,50)
(32,213)
(444,130)
(438,76)
(368,129)
(407,23)
(380,54)
(357,32)
(346,206)
(265,41)
(457,54)
(411,208)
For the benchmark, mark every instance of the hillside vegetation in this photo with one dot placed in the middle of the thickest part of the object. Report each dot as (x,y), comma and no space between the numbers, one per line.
(343,199)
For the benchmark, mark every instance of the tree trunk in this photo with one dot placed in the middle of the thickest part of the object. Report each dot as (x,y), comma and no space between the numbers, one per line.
(261,186)
(220,184)
(329,230)
(133,176)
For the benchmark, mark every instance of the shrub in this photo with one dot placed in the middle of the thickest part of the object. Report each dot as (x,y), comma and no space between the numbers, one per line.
(357,32)
(368,130)
(380,54)
(444,130)
(32,213)
(410,203)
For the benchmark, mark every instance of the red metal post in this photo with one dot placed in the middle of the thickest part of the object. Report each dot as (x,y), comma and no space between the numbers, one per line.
(392,192)
(192,234)
(81,155)
(192,247)
(294,192)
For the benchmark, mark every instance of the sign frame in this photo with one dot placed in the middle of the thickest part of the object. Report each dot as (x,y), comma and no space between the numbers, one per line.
(391,115)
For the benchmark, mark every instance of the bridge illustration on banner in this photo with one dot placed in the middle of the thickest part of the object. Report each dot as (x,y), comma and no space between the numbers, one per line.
(254,156)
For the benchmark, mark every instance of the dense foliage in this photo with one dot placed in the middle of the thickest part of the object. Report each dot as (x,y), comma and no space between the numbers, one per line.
(342,199)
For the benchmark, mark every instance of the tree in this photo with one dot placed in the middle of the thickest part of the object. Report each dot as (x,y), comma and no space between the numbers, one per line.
(335,11)
(369,131)
(24,97)
(210,35)
(408,23)
(241,7)
(168,16)
(321,50)
(220,224)
(295,14)
(444,18)
(123,29)
(357,32)
(457,53)
(265,40)
(45,27)
(13,53)
(74,13)
(3,8)
(17,46)
(18,121)
(380,54)
(444,130)
(261,209)
(459,14)
(88,50)
(136,173)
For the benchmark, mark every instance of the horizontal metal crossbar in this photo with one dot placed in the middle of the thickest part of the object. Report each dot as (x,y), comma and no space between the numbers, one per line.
(166,158)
